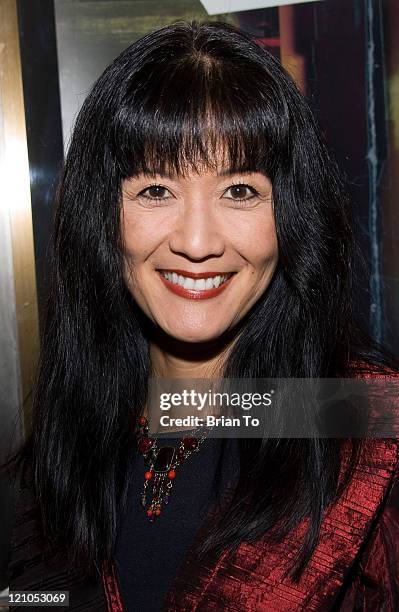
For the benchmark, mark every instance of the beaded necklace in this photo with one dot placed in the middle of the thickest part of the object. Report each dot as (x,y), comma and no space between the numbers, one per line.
(161,465)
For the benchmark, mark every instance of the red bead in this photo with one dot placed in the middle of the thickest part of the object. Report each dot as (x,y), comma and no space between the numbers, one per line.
(142,421)
(145,444)
(148,475)
(157,512)
(172,474)
(180,455)
(149,512)
(190,443)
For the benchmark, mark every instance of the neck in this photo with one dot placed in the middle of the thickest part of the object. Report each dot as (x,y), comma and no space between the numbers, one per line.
(171,358)
(174,359)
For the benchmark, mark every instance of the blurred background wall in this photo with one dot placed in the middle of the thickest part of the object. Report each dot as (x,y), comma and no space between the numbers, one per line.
(19,336)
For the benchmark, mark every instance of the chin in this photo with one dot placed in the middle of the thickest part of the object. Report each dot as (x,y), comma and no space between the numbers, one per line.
(194,335)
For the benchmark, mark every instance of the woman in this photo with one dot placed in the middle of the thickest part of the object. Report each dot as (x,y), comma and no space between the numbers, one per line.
(193,158)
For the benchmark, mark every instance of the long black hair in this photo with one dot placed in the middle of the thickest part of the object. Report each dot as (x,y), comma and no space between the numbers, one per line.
(171,101)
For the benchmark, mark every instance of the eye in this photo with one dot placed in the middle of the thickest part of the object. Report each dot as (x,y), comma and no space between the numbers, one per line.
(155,192)
(241,192)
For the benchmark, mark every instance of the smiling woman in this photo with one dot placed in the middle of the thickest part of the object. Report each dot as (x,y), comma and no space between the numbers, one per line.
(202,231)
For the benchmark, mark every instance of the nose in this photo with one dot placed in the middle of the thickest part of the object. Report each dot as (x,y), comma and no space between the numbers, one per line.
(198,233)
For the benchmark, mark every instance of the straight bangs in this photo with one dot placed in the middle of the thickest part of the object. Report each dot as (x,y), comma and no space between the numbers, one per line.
(202,112)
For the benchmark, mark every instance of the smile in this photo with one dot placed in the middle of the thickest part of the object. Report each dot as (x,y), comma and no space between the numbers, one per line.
(204,286)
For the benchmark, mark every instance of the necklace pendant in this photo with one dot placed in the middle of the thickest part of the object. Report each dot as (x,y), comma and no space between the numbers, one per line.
(163,474)
(162,463)
(164,459)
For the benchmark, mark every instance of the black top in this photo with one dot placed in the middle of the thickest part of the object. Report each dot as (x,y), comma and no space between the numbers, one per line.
(149,555)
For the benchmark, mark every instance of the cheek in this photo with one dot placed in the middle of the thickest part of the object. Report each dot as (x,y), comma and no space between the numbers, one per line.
(268,248)
(136,240)
(134,253)
(260,245)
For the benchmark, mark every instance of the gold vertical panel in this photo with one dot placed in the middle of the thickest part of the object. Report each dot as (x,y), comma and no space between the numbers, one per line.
(15,195)
(292,61)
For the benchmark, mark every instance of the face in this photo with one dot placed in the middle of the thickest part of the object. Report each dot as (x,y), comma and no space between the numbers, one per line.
(199,250)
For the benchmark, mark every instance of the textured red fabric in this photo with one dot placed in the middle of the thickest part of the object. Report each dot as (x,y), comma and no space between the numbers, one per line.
(110,582)
(354,567)
(376,584)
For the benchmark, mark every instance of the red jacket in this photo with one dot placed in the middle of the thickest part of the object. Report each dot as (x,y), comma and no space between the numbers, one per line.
(355,565)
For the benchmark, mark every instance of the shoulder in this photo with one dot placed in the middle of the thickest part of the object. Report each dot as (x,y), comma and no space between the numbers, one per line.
(360,368)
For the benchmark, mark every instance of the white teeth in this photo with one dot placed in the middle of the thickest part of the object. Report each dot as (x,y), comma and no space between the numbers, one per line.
(200,284)
(189,283)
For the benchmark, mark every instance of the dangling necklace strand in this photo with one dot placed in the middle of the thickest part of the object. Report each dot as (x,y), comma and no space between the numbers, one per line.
(162,463)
